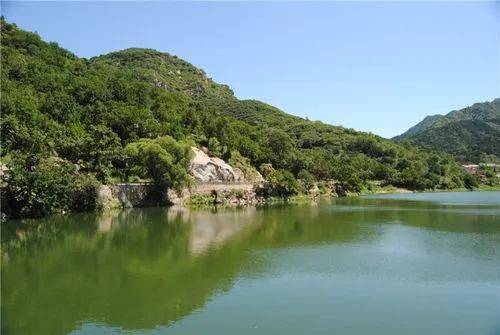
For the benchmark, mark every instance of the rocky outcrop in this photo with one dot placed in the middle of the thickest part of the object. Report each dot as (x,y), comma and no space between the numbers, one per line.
(212,169)
(134,195)
(128,195)
(213,177)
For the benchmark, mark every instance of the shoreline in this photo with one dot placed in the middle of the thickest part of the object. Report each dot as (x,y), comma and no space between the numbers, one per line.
(208,203)
(305,198)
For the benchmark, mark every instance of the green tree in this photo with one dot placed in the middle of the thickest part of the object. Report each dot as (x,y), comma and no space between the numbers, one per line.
(40,186)
(162,159)
(101,148)
(214,146)
(279,183)
(306,180)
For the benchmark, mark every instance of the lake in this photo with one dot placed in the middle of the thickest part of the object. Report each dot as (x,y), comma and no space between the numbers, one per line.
(424,263)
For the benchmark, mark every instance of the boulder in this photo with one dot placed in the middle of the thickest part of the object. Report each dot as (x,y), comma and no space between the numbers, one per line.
(212,169)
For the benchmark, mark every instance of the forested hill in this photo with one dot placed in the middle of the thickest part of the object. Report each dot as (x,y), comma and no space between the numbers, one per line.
(471,134)
(169,73)
(69,124)
(176,75)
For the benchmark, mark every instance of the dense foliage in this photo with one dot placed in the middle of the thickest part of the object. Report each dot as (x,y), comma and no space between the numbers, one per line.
(471,135)
(163,159)
(132,113)
(39,186)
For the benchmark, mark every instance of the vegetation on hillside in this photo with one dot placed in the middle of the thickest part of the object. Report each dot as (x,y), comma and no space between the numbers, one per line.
(471,135)
(133,113)
(163,159)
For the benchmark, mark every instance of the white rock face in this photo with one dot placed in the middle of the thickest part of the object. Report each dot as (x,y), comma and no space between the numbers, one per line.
(213,169)
(238,175)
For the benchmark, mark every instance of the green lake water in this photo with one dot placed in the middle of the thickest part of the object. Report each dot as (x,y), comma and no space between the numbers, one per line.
(391,264)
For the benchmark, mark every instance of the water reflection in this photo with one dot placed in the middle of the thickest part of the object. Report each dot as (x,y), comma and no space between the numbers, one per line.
(141,269)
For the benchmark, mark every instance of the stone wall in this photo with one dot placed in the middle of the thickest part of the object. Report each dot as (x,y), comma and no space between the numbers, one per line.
(210,188)
(129,195)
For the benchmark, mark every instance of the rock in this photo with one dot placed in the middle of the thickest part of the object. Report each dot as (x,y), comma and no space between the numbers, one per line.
(3,169)
(212,169)
(177,198)
(238,175)
(133,195)
(128,195)
(207,169)
(106,199)
(314,191)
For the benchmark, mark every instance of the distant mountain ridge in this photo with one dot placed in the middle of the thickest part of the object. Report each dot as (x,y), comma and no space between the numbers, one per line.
(470,134)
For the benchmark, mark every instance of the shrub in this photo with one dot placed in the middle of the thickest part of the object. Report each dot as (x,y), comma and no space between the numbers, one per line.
(42,186)
(84,192)
(243,163)
(348,179)
(163,159)
(306,180)
(471,181)
(215,147)
(279,183)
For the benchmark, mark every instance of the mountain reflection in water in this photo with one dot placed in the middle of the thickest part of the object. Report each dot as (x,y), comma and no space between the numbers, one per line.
(141,269)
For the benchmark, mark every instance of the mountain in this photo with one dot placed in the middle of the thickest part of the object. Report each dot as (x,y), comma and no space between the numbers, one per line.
(70,123)
(169,73)
(471,134)
(176,75)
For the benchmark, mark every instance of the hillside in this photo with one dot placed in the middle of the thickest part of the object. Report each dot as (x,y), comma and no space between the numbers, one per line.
(69,124)
(169,73)
(471,134)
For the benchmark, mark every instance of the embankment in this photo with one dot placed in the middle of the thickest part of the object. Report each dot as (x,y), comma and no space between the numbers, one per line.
(127,195)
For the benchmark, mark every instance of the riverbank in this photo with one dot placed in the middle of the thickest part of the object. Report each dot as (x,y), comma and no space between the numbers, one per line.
(234,199)
(305,198)
(210,195)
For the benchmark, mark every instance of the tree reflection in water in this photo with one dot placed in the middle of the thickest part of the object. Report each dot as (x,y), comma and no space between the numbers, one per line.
(144,268)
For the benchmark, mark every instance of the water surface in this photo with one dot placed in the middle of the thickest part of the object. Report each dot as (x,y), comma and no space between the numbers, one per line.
(392,264)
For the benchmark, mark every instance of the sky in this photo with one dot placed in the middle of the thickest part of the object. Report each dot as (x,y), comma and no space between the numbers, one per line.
(372,66)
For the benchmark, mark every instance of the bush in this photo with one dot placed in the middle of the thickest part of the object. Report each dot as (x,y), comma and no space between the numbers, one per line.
(280,183)
(201,200)
(306,180)
(348,179)
(489,175)
(163,159)
(42,186)
(215,147)
(471,181)
(84,192)
(243,163)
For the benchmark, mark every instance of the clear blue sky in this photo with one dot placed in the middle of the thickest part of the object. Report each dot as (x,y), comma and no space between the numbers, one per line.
(373,66)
